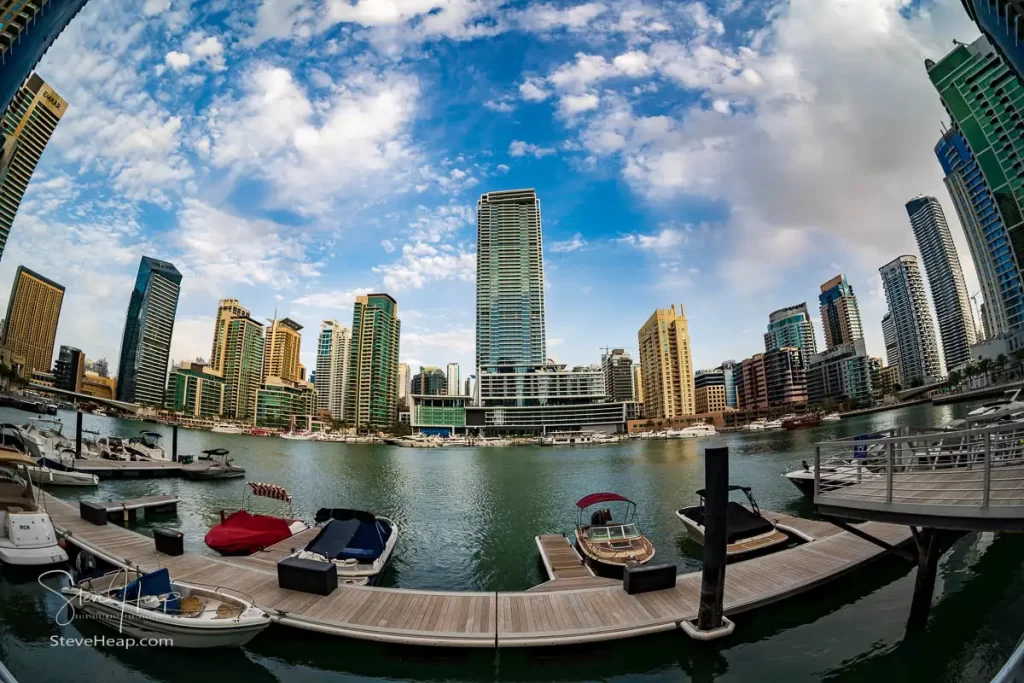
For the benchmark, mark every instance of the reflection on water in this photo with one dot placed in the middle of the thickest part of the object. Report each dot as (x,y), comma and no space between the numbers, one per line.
(468,518)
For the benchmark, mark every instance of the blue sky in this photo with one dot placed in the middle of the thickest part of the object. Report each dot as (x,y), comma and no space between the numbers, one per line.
(730,156)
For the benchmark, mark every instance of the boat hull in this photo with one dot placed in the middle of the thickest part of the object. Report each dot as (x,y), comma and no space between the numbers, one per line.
(803,484)
(211,476)
(741,549)
(31,557)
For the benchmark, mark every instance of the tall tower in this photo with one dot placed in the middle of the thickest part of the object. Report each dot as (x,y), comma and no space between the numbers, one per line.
(28,30)
(617,366)
(840,315)
(664,342)
(332,362)
(1002,22)
(509,282)
(915,335)
(372,390)
(791,326)
(281,350)
(243,366)
(453,383)
(27,126)
(31,322)
(942,266)
(892,342)
(146,344)
(404,379)
(226,310)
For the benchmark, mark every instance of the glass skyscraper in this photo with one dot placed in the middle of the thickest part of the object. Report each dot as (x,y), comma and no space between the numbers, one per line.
(371,397)
(146,344)
(911,320)
(840,315)
(791,326)
(1001,22)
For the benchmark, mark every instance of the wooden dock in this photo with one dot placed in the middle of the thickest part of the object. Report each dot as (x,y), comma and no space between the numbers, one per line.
(564,567)
(123,511)
(562,616)
(125,469)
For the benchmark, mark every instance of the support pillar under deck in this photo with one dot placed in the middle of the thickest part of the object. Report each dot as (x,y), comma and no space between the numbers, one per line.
(929,547)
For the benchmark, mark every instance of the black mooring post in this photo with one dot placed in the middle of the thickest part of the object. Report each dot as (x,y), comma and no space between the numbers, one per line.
(716,496)
(929,548)
(174,443)
(78,434)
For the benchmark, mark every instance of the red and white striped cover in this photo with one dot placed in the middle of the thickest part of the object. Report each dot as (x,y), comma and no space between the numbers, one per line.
(270,491)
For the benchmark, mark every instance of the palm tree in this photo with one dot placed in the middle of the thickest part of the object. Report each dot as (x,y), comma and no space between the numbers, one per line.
(954,379)
(971,370)
(985,367)
(1001,361)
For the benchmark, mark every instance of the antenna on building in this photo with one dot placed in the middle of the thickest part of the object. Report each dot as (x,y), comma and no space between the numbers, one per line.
(960,43)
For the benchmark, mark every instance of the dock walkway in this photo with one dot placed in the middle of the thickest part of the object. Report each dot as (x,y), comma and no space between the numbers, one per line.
(125,469)
(483,619)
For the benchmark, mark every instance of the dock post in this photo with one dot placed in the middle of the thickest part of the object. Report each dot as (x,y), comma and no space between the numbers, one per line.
(78,435)
(928,550)
(711,623)
(174,443)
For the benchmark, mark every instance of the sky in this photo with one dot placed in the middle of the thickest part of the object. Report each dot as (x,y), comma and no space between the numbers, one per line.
(727,155)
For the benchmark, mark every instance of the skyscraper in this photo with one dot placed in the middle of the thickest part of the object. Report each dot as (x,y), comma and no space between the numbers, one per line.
(709,391)
(26,127)
(840,315)
(664,342)
(243,366)
(373,367)
(728,369)
(942,266)
(638,383)
(617,366)
(908,305)
(146,344)
(404,384)
(31,323)
(69,370)
(27,31)
(1001,22)
(333,354)
(454,384)
(791,326)
(281,350)
(226,310)
(509,283)
(991,250)
(983,98)
(892,342)
(431,381)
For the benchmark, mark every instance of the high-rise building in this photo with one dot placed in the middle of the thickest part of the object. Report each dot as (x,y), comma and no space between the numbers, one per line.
(942,266)
(454,384)
(100,367)
(709,391)
(509,283)
(892,342)
(982,96)
(617,366)
(333,354)
(372,391)
(404,385)
(728,369)
(791,326)
(226,310)
(243,367)
(27,31)
(146,344)
(430,381)
(470,388)
(664,342)
(69,370)
(26,127)
(773,379)
(842,374)
(31,323)
(281,350)
(638,383)
(987,238)
(840,315)
(280,402)
(1001,22)
(915,334)
(197,390)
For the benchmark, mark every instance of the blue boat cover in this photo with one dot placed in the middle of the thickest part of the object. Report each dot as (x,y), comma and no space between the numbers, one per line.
(153,583)
(351,539)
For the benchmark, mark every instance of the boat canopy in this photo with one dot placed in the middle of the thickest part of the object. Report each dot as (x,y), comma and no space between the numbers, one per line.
(269,491)
(9,456)
(216,451)
(595,498)
(351,539)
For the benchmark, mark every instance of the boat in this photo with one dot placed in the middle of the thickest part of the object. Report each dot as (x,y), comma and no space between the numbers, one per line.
(774,424)
(114,448)
(415,441)
(147,446)
(608,545)
(692,432)
(455,441)
(27,536)
(44,438)
(243,533)
(607,438)
(836,472)
(213,464)
(757,425)
(805,421)
(992,411)
(831,417)
(296,436)
(152,606)
(357,542)
(748,533)
(55,477)
(226,428)
(568,438)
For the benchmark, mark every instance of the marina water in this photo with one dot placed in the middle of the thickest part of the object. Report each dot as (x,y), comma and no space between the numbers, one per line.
(468,518)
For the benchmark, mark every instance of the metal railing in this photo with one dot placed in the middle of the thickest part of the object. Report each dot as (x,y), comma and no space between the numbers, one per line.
(977,468)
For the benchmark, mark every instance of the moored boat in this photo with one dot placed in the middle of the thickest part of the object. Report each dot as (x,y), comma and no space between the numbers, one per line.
(296,436)
(608,545)
(146,446)
(226,428)
(152,606)
(748,533)
(692,432)
(835,472)
(831,417)
(27,536)
(243,533)
(358,543)
(805,421)
(212,465)
(569,438)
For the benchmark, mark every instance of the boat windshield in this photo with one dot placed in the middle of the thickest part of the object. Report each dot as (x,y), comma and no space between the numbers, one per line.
(615,532)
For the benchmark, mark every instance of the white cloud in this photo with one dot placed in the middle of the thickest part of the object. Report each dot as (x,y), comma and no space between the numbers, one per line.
(177,60)
(191,338)
(533,89)
(576,242)
(153,7)
(569,105)
(388,245)
(422,263)
(207,49)
(333,299)
(442,343)
(666,238)
(518,148)
(503,106)
(542,18)
(438,223)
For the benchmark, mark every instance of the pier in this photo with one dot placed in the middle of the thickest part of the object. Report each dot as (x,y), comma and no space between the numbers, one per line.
(126,469)
(493,619)
(124,511)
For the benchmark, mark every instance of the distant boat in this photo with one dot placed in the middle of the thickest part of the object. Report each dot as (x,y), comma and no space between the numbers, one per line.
(831,417)
(692,432)
(296,436)
(225,428)
(805,421)
(570,438)
(214,464)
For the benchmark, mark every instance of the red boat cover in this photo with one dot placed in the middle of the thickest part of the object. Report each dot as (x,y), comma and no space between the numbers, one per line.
(595,498)
(244,533)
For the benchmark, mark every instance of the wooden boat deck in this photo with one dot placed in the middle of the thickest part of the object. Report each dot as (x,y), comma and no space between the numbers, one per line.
(143,503)
(118,469)
(569,614)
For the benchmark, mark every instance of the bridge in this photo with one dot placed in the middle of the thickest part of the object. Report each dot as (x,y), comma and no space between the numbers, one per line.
(87,398)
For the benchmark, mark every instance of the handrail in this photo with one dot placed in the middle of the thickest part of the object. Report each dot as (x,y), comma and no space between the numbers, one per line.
(5,675)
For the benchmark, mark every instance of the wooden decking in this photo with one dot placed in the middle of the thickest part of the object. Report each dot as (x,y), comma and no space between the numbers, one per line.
(562,616)
(125,469)
(564,566)
(143,503)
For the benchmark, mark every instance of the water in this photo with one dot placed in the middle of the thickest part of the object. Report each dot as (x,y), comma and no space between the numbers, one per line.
(468,518)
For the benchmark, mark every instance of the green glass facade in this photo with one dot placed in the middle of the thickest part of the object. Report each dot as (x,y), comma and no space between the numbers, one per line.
(243,367)
(372,396)
(196,391)
(439,411)
(986,101)
(279,400)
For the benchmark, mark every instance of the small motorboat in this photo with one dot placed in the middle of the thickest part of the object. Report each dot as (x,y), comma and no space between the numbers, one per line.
(243,533)
(748,533)
(152,606)
(211,465)
(55,477)
(226,428)
(357,542)
(774,424)
(835,473)
(805,421)
(27,536)
(831,417)
(296,436)
(146,446)
(114,448)
(608,545)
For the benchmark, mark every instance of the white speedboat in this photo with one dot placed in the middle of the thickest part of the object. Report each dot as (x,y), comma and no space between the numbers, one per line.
(53,477)
(692,432)
(748,532)
(831,417)
(834,473)
(296,436)
(113,448)
(357,542)
(44,438)
(152,606)
(415,441)
(147,446)
(757,425)
(226,428)
(27,536)
(774,424)
(573,438)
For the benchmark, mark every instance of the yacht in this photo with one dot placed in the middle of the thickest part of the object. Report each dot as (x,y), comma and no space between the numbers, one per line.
(27,536)
(1009,404)
(692,432)
(113,448)
(147,446)
(836,472)
(577,438)
(774,424)
(757,425)
(226,428)
(415,441)
(297,436)
(831,417)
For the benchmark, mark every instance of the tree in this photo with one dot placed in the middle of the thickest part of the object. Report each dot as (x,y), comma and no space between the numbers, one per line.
(1018,360)
(985,367)
(954,379)
(1001,361)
